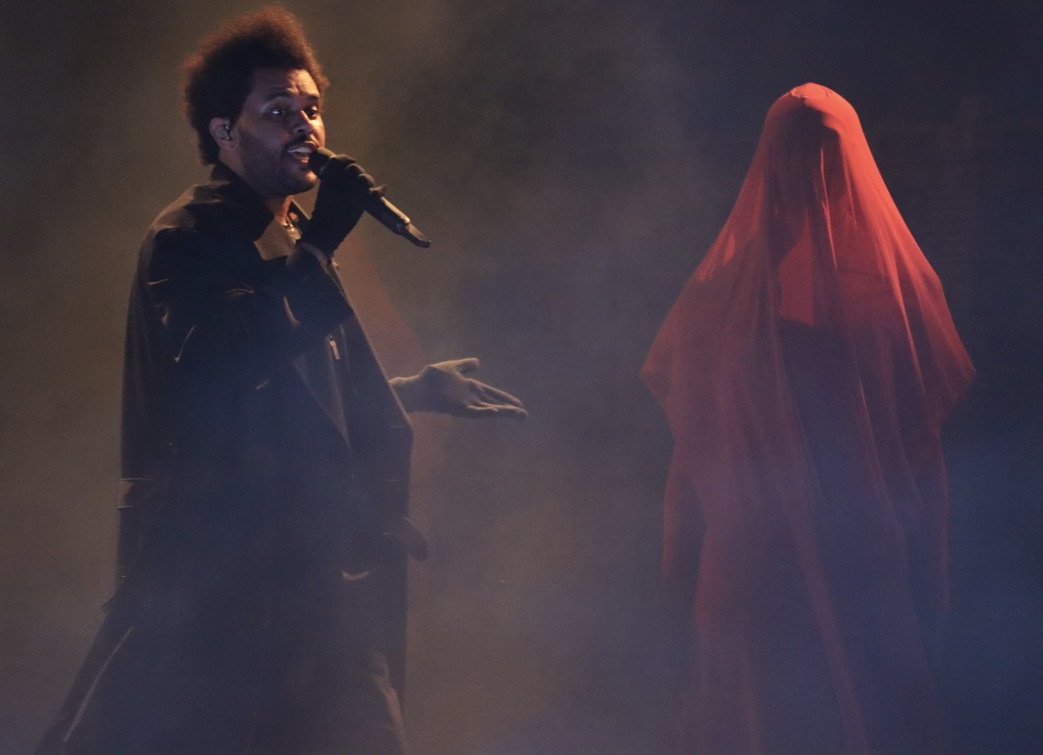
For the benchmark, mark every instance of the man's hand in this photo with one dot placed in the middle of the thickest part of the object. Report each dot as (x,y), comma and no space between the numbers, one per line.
(444,388)
(344,192)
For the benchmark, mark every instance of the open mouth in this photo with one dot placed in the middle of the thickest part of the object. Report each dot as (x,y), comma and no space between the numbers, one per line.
(301,152)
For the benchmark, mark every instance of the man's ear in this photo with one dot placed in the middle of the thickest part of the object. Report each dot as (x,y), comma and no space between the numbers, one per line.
(221,130)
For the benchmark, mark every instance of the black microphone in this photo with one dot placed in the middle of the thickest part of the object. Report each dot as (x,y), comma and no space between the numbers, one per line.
(378,206)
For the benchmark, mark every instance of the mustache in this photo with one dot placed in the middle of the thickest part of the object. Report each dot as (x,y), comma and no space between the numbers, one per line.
(303,140)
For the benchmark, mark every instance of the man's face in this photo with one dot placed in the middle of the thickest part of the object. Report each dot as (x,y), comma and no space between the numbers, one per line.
(279,127)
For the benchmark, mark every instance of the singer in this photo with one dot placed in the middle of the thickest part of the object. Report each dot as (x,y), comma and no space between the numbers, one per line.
(260,600)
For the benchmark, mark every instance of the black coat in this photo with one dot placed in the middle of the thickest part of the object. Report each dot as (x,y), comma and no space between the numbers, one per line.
(263,453)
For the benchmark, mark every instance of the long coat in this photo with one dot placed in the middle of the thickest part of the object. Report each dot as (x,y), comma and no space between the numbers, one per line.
(264,453)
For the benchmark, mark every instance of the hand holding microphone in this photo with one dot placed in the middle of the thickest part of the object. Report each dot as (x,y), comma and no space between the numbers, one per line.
(340,202)
(345,192)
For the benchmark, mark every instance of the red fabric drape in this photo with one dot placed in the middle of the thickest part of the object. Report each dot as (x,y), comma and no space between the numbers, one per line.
(805,371)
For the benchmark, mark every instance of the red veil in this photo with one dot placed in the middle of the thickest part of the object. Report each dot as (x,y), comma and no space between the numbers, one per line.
(805,370)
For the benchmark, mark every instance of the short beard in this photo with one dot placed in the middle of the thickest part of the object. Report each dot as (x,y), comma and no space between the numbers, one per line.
(266,173)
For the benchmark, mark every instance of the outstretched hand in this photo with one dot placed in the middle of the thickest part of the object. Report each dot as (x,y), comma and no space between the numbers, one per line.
(445,388)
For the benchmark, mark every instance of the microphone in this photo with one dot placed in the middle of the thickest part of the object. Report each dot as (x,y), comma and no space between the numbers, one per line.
(378,206)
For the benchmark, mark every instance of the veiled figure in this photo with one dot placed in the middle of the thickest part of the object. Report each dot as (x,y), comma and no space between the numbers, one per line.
(806,370)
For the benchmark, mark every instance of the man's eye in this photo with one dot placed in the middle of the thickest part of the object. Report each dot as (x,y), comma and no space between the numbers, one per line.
(313,112)
(277,112)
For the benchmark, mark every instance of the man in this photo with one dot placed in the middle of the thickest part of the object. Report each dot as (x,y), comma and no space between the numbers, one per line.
(261,601)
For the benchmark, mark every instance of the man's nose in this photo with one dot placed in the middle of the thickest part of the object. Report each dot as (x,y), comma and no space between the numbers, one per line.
(302,125)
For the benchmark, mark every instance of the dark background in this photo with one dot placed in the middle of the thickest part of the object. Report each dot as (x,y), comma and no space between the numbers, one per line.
(572,162)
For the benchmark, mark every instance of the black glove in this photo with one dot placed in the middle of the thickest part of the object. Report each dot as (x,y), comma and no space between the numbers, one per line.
(344,192)
(445,388)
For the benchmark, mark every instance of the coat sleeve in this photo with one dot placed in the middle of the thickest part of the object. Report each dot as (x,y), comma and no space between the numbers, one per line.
(229,319)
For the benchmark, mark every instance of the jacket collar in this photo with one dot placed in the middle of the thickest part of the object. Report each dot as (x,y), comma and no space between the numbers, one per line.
(244,205)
